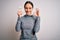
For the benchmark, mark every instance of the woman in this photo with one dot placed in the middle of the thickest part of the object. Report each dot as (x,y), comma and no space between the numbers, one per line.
(28,24)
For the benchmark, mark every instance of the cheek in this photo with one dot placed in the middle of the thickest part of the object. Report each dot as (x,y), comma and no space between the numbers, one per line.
(30,10)
(25,9)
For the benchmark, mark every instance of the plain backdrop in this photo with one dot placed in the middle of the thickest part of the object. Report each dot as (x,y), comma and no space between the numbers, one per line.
(49,15)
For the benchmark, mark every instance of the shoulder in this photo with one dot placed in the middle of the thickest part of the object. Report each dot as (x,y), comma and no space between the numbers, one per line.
(36,17)
(22,17)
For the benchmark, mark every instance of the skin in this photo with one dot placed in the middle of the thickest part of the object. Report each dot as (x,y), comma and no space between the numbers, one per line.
(28,9)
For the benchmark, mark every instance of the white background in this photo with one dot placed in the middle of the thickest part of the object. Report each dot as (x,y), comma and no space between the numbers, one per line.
(49,24)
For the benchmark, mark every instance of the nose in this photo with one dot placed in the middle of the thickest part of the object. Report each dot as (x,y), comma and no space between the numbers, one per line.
(27,9)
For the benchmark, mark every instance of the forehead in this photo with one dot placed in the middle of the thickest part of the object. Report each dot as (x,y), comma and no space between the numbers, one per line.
(28,5)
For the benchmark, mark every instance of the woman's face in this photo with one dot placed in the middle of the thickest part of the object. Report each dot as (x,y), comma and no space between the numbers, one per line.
(28,9)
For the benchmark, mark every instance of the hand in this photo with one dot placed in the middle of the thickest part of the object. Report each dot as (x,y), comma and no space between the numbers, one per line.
(19,13)
(37,12)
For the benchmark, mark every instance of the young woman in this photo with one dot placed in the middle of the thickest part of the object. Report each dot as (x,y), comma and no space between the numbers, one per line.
(28,24)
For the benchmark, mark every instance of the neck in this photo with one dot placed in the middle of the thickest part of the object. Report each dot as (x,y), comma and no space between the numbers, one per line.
(29,14)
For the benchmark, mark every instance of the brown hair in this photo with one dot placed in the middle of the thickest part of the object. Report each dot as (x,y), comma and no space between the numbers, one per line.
(29,3)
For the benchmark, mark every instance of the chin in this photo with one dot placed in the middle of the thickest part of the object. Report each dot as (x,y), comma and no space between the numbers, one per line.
(28,13)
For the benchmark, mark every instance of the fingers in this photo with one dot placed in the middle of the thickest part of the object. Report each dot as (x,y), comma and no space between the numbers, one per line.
(37,12)
(19,13)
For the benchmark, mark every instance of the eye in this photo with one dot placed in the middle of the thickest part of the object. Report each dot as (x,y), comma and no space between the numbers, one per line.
(26,8)
(29,8)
